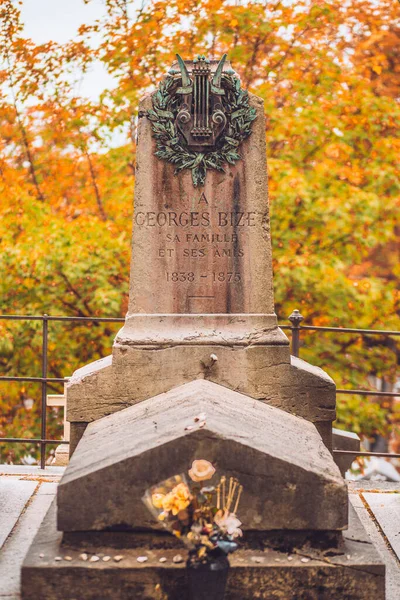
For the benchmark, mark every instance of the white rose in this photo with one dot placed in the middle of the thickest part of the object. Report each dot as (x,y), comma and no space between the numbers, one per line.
(201,470)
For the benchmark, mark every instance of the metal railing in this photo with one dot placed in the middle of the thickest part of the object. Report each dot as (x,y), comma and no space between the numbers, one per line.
(44,379)
(295,327)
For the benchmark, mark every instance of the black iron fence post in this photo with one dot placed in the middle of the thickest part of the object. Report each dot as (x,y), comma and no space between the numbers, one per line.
(45,333)
(296,318)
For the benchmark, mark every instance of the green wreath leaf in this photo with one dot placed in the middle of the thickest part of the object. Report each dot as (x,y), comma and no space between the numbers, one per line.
(169,143)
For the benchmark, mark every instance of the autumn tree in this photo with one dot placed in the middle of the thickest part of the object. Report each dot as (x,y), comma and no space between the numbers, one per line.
(329,75)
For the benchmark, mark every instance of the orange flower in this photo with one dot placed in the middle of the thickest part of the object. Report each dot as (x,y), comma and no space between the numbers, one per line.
(157,500)
(177,499)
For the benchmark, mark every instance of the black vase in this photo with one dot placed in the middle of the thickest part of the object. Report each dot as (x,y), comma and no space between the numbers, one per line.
(207,581)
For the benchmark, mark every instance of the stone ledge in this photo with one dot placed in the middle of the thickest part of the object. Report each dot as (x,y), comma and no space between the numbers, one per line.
(224,329)
(357,574)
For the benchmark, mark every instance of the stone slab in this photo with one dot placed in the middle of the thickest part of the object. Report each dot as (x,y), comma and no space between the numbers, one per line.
(353,573)
(392,565)
(386,510)
(17,544)
(369,486)
(225,330)
(345,440)
(14,495)
(290,479)
(34,471)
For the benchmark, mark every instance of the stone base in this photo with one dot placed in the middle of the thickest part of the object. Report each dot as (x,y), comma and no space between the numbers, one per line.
(352,571)
(61,456)
(135,373)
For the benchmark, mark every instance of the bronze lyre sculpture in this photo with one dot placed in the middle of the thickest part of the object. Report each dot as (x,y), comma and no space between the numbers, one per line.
(200,116)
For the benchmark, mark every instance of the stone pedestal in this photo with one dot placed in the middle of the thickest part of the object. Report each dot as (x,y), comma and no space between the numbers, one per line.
(266,373)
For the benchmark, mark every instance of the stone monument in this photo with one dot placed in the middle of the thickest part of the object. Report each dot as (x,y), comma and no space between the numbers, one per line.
(201,336)
(201,272)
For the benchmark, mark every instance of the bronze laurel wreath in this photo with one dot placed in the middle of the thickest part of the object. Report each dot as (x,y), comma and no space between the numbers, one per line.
(171,146)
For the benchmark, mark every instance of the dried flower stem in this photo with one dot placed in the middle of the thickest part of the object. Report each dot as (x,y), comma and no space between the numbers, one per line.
(237,500)
(228,503)
(232,494)
(223,480)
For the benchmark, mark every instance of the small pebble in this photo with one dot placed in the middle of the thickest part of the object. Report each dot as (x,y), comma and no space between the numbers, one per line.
(57,558)
(202,424)
(348,556)
(41,555)
(94,558)
(257,559)
(305,560)
(68,558)
(118,558)
(290,557)
(83,556)
(189,428)
(277,560)
(142,559)
(163,559)
(106,558)
(177,558)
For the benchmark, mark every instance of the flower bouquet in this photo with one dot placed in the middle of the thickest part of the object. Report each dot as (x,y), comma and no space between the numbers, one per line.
(204,518)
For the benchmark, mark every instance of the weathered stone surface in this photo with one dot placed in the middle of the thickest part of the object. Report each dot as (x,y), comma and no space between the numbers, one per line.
(386,510)
(376,537)
(13,497)
(61,456)
(265,373)
(29,519)
(208,236)
(77,430)
(355,573)
(289,477)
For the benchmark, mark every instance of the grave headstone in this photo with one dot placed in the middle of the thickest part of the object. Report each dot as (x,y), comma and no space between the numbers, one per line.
(201,336)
